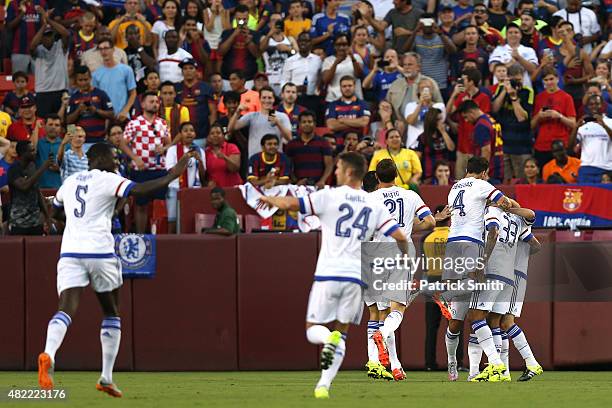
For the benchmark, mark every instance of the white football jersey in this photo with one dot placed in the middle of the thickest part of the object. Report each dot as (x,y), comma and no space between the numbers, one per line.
(501,262)
(89,199)
(521,261)
(348,218)
(467,200)
(403,205)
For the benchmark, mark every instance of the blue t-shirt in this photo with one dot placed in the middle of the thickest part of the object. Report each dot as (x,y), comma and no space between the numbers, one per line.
(459,11)
(382,82)
(117,82)
(49,179)
(4,168)
(349,110)
(341,25)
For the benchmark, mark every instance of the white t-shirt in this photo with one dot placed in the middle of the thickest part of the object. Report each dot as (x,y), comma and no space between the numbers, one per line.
(259,126)
(348,218)
(467,200)
(297,69)
(414,131)
(403,205)
(607,48)
(595,144)
(160,29)
(193,176)
(89,199)
(169,69)
(585,23)
(342,69)
(503,54)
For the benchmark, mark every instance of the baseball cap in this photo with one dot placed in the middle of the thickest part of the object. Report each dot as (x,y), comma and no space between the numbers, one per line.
(26,102)
(188,61)
(528,12)
(261,75)
(48,30)
(446,9)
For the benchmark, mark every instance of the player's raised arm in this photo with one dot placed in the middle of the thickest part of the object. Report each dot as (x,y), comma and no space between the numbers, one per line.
(148,187)
(284,203)
(526,213)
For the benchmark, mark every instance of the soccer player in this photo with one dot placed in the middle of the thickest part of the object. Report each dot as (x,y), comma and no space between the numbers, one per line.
(467,200)
(88,257)
(349,216)
(412,215)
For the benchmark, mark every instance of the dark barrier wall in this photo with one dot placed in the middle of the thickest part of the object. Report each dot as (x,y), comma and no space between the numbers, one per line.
(227,303)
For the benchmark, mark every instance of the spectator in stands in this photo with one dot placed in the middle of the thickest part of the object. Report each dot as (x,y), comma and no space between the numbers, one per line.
(442,174)
(530,34)
(310,154)
(248,98)
(114,137)
(226,221)
(276,48)
(289,107)
(192,177)
(512,106)
(531,173)
(222,159)
(343,63)
(239,48)
(28,206)
(93,57)
(216,83)
(385,119)
(89,107)
(514,52)
(553,118)
(131,18)
(575,64)
(172,112)
(269,167)
(68,12)
(384,73)
(260,81)
(47,148)
(584,21)
(328,25)
(404,89)
(471,52)
(5,122)
(295,22)
(72,160)
(593,135)
(402,19)
(144,141)
(170,59)
(562,168)
(196,95)
(416,111)
(353,144)
(499,15)
(117,80)
(463,13)
(348,113)
(83,38)
(434,143)
(139,56)
(261,123)
(408,165)
(13,98)
(195,44)
(28,126)
(594,88)
(304,70)
(216,19)
(466,89)
(50,64)
(169,20)
(8,155)
(434,47)
(24,21)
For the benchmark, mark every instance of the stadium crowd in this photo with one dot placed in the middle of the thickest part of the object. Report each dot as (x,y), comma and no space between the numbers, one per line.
(271,91)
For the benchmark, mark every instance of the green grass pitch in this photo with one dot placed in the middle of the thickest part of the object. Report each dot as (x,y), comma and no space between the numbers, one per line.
(294,389)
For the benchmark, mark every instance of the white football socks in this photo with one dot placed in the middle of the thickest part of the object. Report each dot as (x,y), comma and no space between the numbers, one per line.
(485,339)
(392,322)
(317,334)
(521,344)
(452,341)
(505,352)
(474,354)
(56,330)
(110,337)
(372,349)
(327,376)
(497,339)
(393,358)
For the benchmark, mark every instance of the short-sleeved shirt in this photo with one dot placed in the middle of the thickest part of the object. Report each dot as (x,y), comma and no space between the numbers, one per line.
(552,129)
(319,27)
(196,99)
(120,40)
(29,25)
(93,124)
(193,176)
(259,125)
(260,167)
(78,44)
(25,207)
(503,54)
(227,218)
(569,172)
(12,101)
(489,132)
(169,69)
(465,128)
(595,145)
(144,136)
(382,82)
(72,163)
(216,168)
(434,61)
(407,20)
(293,116)
(342,69)
(117,82)
(501,262)
(51,68)
(406,161)
(239,57)
(45,147)
(308,157)
(517,136)
(353,109)
(21,131)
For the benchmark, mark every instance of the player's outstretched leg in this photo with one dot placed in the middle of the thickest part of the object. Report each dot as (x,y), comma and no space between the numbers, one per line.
(452,341)
(56,331)
(373,362)
(392,322)
(521,344)
(498,341)
(495,369)
(110,338)
(328,374)
(475,355)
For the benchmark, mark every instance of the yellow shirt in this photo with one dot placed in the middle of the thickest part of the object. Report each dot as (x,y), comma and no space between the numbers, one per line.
(434,246)
(5,122)
(120,41)
(295,28)
(184,114)
(407,163)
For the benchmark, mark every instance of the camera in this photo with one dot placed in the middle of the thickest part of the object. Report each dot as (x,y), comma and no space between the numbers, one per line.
(589,118)
(241,23)
(516,83)
(427,22)
(383,63)
(280,25)
(369,141)
(460,81)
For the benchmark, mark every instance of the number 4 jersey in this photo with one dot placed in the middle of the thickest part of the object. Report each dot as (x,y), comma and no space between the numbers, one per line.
(89,199)
(348,218)
(467,200)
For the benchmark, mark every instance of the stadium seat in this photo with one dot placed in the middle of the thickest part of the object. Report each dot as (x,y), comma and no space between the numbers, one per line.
(203,221)
(252,222)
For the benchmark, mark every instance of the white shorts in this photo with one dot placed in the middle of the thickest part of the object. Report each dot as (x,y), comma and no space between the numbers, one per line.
(104,274)
(503,301)
(335,301)
(459,306)
(485,299)
(380,305)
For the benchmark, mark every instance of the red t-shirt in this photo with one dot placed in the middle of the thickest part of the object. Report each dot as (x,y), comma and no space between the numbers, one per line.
(216,168)
(19,131)
(465,143)
(553,129)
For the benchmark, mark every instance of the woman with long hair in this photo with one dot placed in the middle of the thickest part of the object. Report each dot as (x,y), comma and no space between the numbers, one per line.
(170,20)
(222,159)
(499,16)
(407,162)
(415,111)
(362,47)
(383,120)
(435,143)
(343,62)
(532,173)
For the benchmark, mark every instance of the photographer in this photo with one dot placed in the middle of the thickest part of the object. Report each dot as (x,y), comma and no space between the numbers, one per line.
(233,44)
(276,48)
(594,137)
(386,70)
(512,106)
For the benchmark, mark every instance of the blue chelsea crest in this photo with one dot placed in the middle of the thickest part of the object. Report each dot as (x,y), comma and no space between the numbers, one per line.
(134,250)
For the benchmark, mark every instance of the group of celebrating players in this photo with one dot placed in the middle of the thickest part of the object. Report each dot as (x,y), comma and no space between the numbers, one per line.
(488,228)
